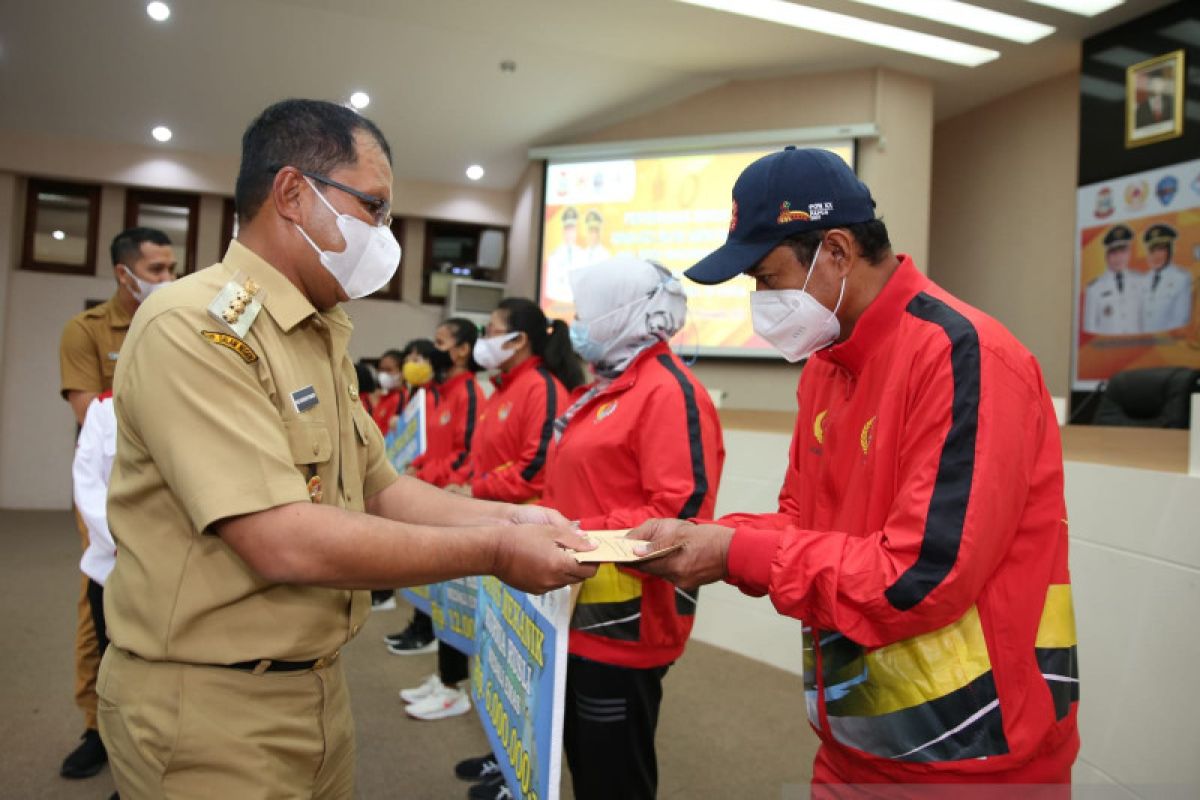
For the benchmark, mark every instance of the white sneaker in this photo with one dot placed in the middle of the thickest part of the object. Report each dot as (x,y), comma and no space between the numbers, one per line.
(440,704)
(428,687)
(385,605)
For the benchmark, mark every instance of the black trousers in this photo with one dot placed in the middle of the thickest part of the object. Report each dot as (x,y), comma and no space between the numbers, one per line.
(95,596)
(452,665)
(608,729)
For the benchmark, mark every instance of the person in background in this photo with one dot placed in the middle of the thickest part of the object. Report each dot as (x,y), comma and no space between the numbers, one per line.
(1167,299)
(416,372)
(512,440)
(1113,301)
(393,394)
(921,534)
(366,385)
(643,441)
(450,433)
(143,262)
(537,365)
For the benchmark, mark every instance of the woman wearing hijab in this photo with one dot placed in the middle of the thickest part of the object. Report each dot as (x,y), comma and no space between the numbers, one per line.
(643,441)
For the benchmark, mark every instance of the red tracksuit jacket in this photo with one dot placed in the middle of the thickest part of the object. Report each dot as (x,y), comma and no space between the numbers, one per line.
(922,538)
(648,445)
(450,430)
(513,435)
(388,406)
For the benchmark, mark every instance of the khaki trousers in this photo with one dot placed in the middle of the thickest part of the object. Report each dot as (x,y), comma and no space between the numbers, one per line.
(189,731)
(87,648)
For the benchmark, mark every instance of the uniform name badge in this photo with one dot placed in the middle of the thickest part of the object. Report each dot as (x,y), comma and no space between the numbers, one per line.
(237,304)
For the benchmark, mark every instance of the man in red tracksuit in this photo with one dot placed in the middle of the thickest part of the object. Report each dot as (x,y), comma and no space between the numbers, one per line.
(921,534)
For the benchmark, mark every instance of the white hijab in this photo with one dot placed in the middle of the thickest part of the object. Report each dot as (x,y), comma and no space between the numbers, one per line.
(628,304)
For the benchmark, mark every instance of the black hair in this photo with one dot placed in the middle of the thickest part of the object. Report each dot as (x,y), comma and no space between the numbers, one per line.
(550,339)
(311,135)
(872,237)
(422,347)
(464,332)
(366,378)
(126,246)
(395,355)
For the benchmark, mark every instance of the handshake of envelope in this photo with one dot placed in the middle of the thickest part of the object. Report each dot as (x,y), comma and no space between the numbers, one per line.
(612,547)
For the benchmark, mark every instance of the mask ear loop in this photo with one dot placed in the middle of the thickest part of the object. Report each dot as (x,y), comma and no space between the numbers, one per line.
(812,266)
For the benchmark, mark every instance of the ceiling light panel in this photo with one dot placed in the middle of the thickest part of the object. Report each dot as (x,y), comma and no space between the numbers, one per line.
(969,17)
(845,26)
(1084,8)
(159,12)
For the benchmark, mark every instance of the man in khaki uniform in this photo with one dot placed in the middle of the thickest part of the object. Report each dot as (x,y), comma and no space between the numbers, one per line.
(251,499)
(91,341)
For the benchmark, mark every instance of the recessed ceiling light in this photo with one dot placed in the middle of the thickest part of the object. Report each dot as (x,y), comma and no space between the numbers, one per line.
(856,29)
(1086,8)
(59,235)
(158,11)
(162,133)
(360,99)
(969,17)
(474,172)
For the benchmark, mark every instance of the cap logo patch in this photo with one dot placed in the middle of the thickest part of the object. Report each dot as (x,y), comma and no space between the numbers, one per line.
(786,214)
(818,210)
(733,219)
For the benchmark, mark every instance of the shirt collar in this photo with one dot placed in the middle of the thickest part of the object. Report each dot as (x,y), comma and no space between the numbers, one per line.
(284,302)
(879,321)
(118,317)
(461,377)
(503,379)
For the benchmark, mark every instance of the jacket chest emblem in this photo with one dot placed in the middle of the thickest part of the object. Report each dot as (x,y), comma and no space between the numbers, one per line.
(868,433)
(819,426)
(444,419)
(504,410)
(605,411)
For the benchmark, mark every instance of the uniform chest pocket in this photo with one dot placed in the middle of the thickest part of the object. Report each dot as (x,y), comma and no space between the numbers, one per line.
(309,441)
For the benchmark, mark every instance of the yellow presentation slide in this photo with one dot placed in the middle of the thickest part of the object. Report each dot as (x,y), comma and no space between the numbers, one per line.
(674,210)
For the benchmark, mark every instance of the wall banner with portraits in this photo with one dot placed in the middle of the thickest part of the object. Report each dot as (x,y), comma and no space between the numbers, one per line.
(1137,272)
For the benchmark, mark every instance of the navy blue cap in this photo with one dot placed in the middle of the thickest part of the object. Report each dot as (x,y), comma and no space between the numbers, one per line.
(780,195)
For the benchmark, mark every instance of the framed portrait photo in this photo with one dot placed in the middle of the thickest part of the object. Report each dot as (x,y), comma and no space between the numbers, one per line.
(1154,91)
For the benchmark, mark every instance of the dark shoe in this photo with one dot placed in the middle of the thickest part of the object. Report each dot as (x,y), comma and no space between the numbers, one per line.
(410,644)
(383,601)
(477,769)
(420,628)
(491,789)
(87,759)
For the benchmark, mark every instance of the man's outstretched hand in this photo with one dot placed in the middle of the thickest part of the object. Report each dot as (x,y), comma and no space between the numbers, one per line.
(537,558)
(702,558)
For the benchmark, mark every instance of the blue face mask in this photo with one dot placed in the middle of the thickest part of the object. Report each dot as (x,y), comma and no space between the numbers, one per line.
(589,350)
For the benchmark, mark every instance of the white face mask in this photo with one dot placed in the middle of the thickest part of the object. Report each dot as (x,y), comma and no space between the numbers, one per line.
(370,259)
(144,288)
(793,321)
(389,381)
(490,353)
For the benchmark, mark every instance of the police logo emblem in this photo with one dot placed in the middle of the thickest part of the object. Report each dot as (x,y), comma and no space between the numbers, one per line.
(1166,189)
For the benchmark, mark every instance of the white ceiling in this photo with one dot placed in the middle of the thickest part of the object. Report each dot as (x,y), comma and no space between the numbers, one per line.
(102,69)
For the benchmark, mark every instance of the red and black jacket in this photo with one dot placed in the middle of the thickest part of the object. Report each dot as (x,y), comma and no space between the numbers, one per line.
(513,435)
(921,537)
(648,445)
(450,430)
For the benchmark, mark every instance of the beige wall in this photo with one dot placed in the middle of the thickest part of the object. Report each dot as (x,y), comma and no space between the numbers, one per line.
(1003,215)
